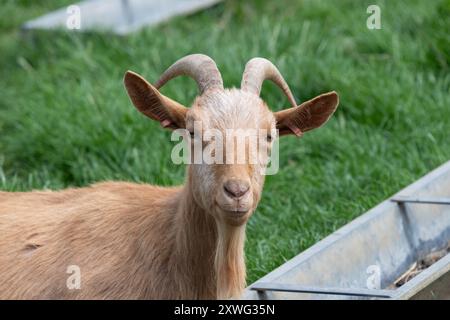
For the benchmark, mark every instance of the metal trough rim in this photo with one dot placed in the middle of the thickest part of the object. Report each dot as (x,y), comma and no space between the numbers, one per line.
(422,200)
(357,292)
(406,291)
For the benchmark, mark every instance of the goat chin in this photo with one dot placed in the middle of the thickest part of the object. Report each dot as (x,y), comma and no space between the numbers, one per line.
(234,219)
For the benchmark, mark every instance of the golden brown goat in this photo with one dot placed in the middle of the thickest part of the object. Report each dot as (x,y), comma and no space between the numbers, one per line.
(136,241)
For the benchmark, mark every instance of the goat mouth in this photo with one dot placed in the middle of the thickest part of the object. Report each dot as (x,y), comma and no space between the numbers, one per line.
(236,213)
(233,212)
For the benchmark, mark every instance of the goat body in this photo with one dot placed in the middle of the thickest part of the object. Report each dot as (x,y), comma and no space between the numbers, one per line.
(135,241)
(130,241)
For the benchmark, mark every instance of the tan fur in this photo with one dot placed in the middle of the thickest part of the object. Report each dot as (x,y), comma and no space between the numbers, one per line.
(130,241)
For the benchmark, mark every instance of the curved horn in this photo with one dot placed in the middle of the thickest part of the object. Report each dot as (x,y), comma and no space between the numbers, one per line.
(200,67)
(259,69)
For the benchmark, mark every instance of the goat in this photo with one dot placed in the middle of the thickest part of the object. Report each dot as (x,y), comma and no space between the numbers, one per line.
(137,241)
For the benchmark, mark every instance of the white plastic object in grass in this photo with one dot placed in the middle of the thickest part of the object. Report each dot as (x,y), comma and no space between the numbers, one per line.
(117,16)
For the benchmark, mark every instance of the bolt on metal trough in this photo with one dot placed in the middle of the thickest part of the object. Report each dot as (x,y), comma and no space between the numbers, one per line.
(377,247)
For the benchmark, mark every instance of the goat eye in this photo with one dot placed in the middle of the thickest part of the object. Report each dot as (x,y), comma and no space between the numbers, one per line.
(269,138)
(191,133)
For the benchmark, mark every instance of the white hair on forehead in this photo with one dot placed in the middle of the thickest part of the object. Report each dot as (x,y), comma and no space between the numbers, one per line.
(232,107)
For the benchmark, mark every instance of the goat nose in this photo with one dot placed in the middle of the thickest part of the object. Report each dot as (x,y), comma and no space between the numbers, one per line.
(236,188)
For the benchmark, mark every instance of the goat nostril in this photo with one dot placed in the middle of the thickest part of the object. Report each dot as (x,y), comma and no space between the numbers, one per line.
(236,188)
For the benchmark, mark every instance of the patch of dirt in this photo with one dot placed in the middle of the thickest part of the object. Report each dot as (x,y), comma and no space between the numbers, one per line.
(420,265)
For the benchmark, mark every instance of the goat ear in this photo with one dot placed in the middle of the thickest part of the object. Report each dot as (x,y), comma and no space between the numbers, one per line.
(307,116)
(148,100)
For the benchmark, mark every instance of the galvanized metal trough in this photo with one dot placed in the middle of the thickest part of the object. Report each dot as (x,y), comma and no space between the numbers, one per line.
(363,259)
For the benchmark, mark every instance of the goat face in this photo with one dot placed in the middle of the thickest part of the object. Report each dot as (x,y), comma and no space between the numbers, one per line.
(236,121)
(241,125)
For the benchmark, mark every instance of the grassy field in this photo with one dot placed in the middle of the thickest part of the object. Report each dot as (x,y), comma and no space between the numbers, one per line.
(65,119)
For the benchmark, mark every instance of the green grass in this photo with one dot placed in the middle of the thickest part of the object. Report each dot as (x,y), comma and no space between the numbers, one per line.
(65,119)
